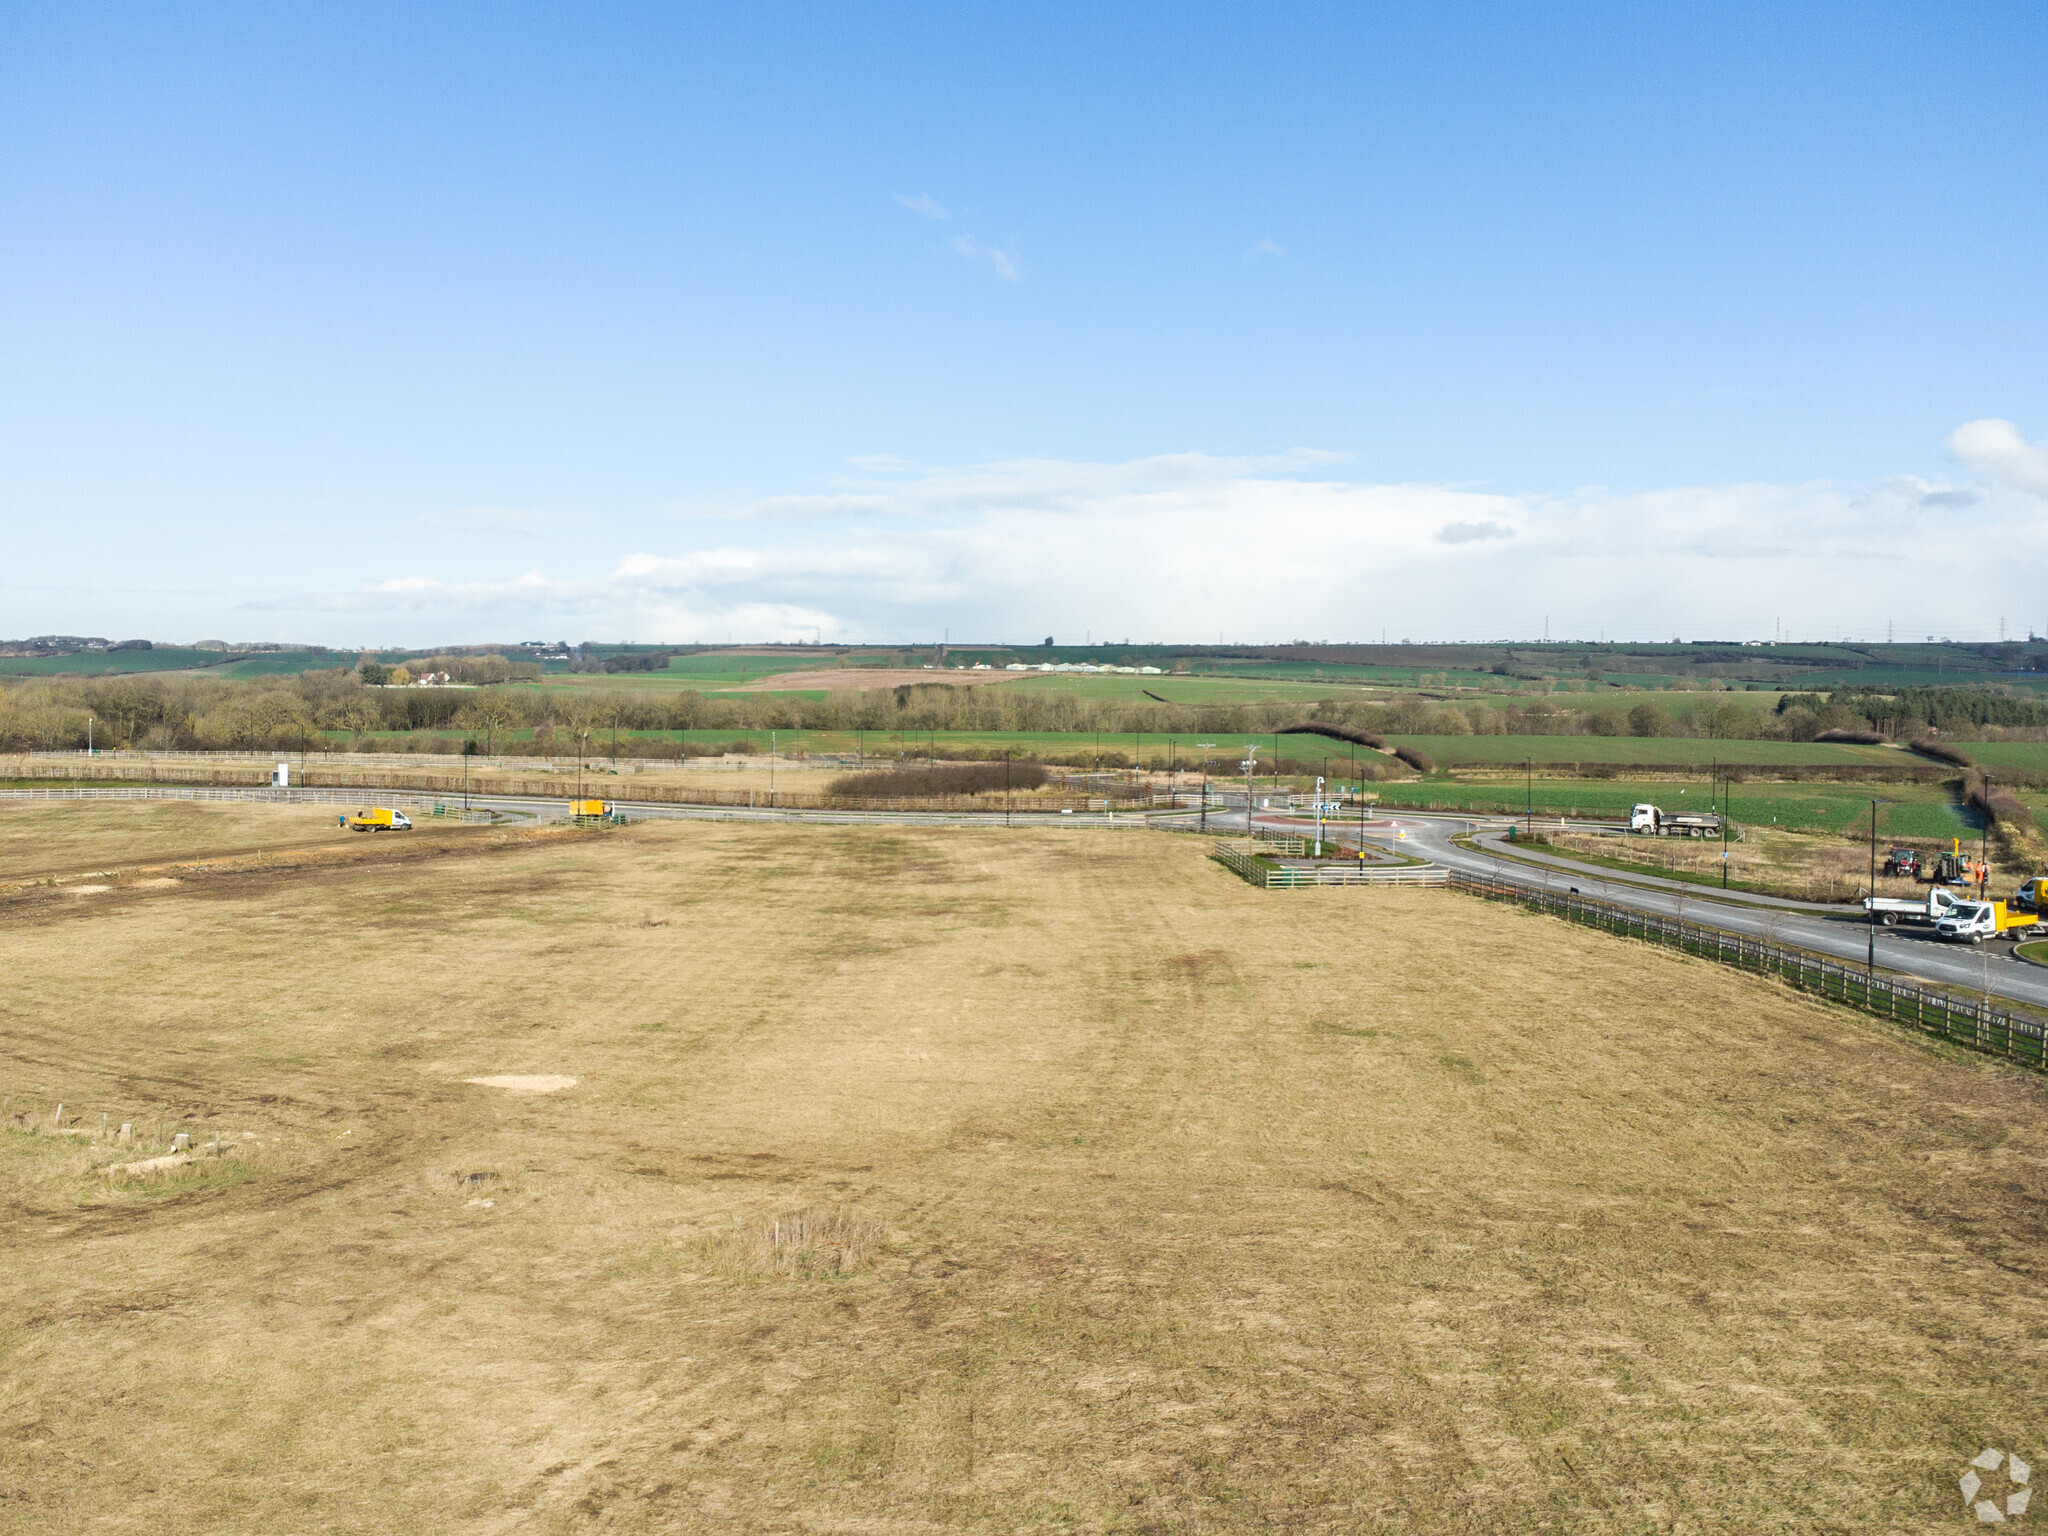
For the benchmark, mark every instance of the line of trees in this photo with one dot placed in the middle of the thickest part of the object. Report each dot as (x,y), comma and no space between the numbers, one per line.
(1913,711)
(337,707)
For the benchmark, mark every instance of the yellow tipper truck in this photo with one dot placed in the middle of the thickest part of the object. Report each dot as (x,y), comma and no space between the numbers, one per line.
(377,820)
(1972,922)
(588,810)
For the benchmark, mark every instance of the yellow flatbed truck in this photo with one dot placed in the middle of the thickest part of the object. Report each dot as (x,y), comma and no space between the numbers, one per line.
(1972,922)
(588,810)
(378,819)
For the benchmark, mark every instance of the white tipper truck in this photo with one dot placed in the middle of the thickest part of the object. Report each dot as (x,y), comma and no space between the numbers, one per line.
(1893,910)
(1659,823)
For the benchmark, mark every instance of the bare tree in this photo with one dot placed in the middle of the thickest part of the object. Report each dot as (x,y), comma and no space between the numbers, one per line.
(489,712)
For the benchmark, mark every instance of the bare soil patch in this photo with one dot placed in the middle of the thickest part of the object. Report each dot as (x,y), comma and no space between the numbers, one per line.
(535,1082)
(922,1180)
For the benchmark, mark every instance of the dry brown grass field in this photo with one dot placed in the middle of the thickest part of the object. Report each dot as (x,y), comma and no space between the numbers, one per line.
(40,840)
(929,1181)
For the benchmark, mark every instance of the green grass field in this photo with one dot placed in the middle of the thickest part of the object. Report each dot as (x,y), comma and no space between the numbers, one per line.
(1193,689)
(708,670)
(2008,754)
(164,658)
(160,659)
(1509,750)
(1921,811)
(1159,750)
(282,664)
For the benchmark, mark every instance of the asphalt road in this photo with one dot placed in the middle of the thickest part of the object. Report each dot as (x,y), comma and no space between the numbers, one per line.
(1912,952)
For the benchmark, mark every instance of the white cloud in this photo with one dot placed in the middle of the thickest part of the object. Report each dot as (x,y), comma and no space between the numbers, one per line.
(1467,533)
(1266,248)
(1178,546)
(1933,498)
(1995,450)
(924,203)
(1004,262)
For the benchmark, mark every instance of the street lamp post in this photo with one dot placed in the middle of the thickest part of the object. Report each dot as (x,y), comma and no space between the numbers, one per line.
(1984,848)
(1205,746)
(1251,762)
(1727,797)
(1006,786)
(1319,818)
(771,767)
(1529,796)
(1870,958)
(88,735)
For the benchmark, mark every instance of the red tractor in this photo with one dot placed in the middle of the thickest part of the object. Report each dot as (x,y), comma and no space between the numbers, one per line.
(1902,861)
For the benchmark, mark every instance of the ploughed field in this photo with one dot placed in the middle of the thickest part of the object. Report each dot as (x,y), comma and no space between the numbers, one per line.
(916,1180)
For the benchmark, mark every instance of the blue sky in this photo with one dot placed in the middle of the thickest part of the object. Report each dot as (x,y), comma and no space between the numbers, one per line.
(431,324)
